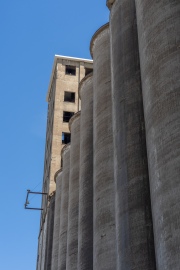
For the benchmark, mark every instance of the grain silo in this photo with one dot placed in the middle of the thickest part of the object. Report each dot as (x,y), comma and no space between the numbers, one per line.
(55,248)
(134,230)
(73,210)
(65,156)
(104,211)
(85,235)
(50,227)
(159,45)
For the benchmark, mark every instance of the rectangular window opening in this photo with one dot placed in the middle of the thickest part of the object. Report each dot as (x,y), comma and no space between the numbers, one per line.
(69,96)
(67,116)
(71,70)
(66,137)
(88,71)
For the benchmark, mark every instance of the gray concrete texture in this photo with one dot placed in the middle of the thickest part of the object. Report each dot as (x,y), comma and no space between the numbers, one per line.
(43,238)
(104,210)
(55,248)
(50,228)
(65,155)
(85,235)
(73,209)
(159,45)
(134,230)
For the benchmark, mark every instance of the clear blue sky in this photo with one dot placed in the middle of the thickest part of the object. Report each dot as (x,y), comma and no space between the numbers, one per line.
(31,33)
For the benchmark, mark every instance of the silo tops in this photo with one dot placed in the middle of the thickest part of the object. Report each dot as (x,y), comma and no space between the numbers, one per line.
(57,174)
(65,149)
(73,118)
(83,82)
(97,35)
(109,3)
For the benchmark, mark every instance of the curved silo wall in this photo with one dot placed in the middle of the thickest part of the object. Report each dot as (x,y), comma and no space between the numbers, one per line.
(159,45)
(134,229)
(65,155)
(50,228)
(73,210)
(104,210)
(55,249)
(85,235)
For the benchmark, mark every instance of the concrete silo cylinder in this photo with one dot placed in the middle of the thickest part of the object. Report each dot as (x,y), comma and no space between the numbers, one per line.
(55,249)
(104,254)
(73,210)
(159,45)
(65,155)
(50,228)
(85,235)
(134,229)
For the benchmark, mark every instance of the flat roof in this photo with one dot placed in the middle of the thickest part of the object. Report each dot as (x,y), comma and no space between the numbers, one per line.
(56,57)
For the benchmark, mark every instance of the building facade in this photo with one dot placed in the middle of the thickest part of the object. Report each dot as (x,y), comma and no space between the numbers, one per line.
(63,102)
(116,201)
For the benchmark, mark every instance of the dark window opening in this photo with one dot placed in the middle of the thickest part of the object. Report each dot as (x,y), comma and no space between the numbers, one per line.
(71,70)
(88,70)
(67,116)
(66,138)
(69,96)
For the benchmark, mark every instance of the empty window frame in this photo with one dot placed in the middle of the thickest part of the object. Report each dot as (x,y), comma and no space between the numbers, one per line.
(71,70)
(66,137)
(69,96)
(88,70)
(67,116)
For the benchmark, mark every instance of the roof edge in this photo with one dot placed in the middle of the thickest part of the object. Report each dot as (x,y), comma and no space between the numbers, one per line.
(56,57)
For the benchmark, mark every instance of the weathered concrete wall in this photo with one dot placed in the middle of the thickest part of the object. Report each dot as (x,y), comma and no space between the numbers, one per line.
(55,248)
(134,230)
(39,257)
(73,210)
(50,227)
(85,235)
(159,45)
(65,155)
(43,245)
(104,210)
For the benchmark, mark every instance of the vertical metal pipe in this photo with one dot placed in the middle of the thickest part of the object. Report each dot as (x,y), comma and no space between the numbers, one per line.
(85,235)
(73,210)
(50,227)
(134,229)
(55,249)
(104,209)
(65,155)
(159,45)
